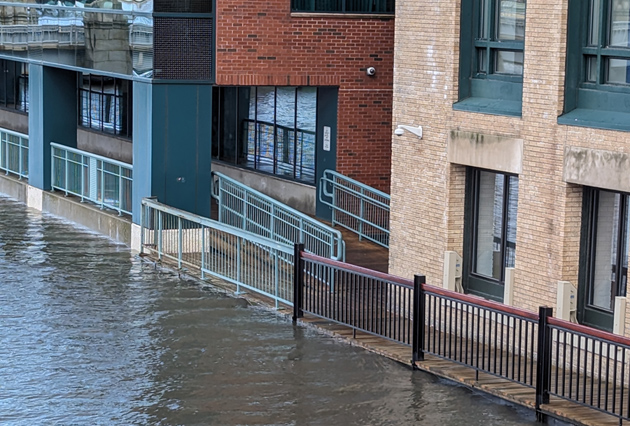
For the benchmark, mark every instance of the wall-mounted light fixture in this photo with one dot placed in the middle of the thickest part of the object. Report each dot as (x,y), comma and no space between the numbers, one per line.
(400,130)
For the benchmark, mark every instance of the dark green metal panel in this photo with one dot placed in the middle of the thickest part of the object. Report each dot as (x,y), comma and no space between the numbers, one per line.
(466,39)
(182,130)
(326,151)
(53,118)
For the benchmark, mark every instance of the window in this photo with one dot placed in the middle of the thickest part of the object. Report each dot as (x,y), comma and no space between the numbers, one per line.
(14,85)
(105,104)
(343,6)
(491,56)
(269,129)
(604,256)
(490,234)
(597,92)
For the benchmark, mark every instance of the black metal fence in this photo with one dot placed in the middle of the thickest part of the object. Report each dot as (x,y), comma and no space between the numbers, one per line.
(555,357)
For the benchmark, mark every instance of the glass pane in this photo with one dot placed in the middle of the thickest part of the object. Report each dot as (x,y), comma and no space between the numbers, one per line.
(489,225)
(249,131)
(591,69)
(605,250)
(482,61)
(618,71)
(619,23)
(285,131)
(507,62)
(305,142)
(594,22)
(510,19)
(512,209)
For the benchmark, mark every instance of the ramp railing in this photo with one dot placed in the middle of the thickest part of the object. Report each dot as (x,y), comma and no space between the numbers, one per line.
(14,153)
(103,181)
(356,206)
(245,208)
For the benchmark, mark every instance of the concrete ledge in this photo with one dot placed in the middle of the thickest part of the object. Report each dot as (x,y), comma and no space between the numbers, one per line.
(14,187)
(597,168)
(500,153)
(104,222)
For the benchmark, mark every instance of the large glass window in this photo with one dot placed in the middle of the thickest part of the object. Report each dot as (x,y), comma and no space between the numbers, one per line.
(604,256)
(347,6)
(14,85)
(105,104)
(270,129)
(491,56)
(491,231)
(598,64)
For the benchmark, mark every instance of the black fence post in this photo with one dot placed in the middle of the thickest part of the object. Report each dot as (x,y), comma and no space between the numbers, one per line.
(298,281)
(543,363)
(417,342)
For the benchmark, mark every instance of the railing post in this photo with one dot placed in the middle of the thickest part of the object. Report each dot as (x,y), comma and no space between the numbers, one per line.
(298,281)
(143,223)
(180,242)
(543,363)
(418,318)
(361,218)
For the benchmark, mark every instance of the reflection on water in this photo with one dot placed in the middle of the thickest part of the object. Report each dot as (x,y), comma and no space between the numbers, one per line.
(91,335)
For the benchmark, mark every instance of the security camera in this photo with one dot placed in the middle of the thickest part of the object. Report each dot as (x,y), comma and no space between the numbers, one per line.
(399,131)
(370,71)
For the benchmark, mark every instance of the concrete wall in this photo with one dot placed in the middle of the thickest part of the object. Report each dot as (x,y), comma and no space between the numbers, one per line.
(278,48)
(294,194)
(105,145)
(107,223)
(12,120)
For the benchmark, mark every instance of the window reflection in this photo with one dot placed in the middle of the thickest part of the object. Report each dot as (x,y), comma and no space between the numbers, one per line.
(270,129)
(105,104)
(68,32)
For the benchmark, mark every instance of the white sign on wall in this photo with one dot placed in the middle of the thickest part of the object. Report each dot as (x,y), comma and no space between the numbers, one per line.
(326,138)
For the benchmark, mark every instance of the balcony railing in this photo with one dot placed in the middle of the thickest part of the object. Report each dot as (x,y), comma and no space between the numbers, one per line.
(14,153)
(103,181)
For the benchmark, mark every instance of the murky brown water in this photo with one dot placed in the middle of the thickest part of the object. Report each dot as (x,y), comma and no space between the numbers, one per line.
(91,335)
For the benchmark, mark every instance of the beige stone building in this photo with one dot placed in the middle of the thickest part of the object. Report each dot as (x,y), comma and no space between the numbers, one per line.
(523,168)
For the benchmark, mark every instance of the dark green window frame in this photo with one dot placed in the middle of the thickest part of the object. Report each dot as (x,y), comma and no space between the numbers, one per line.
(492,35)
(344,6)
(597,83)
(489,231)
(603,256)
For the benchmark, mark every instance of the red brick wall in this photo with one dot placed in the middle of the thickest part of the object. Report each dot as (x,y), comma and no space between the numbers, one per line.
(268,46)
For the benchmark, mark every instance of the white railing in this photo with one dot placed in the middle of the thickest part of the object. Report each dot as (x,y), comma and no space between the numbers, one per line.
(14,153)
(242,258)
(101,180)
(252,211)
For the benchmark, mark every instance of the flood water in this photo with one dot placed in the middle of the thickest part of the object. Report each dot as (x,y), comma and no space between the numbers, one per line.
(92,335)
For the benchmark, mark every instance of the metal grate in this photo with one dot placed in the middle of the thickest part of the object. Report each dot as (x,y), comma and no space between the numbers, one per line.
(182,48)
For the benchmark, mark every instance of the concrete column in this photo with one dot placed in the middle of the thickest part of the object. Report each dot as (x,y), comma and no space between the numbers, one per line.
(172,145)
(52,118)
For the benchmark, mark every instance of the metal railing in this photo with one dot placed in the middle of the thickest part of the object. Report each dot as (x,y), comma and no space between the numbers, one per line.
(252,211)
(242,258)
(14,153)
(101,180)
(590,367)
(555,357)
(360,298)
(487,336)
(356,206)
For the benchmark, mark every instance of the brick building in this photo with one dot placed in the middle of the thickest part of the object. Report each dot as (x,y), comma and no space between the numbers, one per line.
(522,169)
(176,88)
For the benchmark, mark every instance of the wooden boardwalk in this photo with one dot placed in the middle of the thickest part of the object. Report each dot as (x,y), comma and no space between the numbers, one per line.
(372,256)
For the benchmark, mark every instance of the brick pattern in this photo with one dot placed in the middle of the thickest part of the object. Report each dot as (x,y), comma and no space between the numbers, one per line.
(182,48)
(271,46)
(428,192)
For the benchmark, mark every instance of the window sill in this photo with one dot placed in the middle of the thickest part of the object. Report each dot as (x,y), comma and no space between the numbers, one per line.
(597,119)
(490,106)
